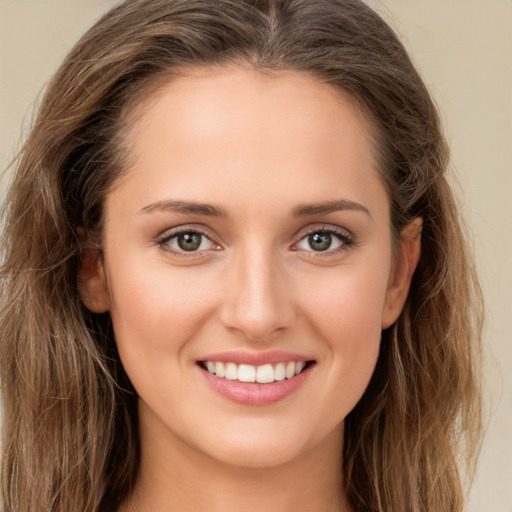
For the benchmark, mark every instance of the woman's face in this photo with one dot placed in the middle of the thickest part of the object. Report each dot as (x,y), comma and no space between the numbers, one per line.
(250,236)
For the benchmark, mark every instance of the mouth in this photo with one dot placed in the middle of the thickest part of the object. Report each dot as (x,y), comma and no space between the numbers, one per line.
(270,379)
(261,374)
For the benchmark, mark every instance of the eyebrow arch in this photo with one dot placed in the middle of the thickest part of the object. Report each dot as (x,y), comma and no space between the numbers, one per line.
(303,210)
(185,207)
(329,207)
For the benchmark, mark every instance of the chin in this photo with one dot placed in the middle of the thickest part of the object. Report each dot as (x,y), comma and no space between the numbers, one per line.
(255,456)
(266,447)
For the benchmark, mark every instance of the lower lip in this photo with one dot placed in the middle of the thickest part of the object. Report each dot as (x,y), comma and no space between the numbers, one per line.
(253,393)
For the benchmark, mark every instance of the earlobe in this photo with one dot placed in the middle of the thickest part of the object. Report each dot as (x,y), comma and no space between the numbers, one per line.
(407,258)
(92,283)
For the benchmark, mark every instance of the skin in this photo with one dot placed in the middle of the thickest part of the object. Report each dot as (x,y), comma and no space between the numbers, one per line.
(257,146)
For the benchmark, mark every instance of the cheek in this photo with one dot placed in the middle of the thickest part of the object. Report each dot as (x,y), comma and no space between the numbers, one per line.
(345,313)
(348,306)
(154,313)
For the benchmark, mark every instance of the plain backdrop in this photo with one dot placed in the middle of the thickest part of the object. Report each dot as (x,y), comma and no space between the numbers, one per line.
(464,50)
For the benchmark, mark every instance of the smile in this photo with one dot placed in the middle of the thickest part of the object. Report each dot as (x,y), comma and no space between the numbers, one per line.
(255,379)
(263,374)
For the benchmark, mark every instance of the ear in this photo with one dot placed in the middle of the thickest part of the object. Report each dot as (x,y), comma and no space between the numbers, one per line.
(92,283)
(407,258)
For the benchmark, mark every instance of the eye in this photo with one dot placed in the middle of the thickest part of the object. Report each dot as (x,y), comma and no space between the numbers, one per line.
(186,241)
(327,240)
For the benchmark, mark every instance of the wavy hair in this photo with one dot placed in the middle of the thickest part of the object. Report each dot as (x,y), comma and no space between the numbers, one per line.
(70,437)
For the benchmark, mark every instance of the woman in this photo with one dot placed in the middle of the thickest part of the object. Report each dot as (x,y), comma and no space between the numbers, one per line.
(234,272)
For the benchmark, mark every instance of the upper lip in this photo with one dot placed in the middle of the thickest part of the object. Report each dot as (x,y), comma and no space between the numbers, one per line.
(255,358)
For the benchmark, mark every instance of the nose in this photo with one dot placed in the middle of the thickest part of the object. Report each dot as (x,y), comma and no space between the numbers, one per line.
(257,302)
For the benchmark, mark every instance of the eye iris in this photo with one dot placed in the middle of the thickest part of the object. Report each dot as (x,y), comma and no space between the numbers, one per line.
(320,241)
(189,241)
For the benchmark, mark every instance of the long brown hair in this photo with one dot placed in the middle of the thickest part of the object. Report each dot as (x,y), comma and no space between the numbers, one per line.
(69,412)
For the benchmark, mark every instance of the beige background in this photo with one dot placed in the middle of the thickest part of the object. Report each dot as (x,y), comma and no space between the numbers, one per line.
(464,50)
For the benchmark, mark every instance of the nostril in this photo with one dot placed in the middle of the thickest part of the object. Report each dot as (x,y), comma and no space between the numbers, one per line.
(255,304)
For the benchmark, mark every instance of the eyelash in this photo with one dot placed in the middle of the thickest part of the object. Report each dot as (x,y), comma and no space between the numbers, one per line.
(342,235)
(169,235)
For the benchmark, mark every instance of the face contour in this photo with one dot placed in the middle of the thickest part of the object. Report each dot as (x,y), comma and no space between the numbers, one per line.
(251,232)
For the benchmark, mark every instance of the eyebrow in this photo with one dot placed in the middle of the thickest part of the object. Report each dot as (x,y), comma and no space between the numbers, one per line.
(186,207)
(303,210)
(327,207)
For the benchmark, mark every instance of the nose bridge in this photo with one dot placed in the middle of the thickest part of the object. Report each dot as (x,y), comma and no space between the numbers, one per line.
(257,302)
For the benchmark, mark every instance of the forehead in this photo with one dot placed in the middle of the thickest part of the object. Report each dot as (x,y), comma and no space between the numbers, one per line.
(238,95)
(222,129)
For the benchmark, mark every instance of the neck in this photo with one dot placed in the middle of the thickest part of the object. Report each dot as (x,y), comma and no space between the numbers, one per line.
(174,476)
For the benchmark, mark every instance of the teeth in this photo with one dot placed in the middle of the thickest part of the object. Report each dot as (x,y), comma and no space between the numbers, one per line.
(219,369)
(290,370)
(263,374)
(246,373)
(231,371)
(279,371)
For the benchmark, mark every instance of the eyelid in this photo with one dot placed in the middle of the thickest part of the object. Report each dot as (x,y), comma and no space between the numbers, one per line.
(331,228)
(345,236)
(171,233)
